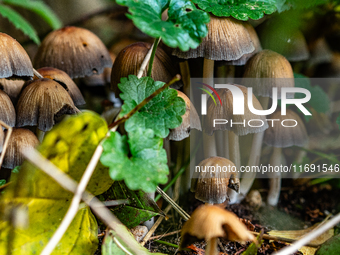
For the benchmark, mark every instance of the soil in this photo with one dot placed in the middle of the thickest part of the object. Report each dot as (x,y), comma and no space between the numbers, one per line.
(298,208)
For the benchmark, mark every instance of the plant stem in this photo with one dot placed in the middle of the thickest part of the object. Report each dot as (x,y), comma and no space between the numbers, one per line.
(116,202)
(185,72)
(235,157)
(166,243)
(165,235)
(6,142)
(36,73)
(153,53)
(144,102)
(275,178)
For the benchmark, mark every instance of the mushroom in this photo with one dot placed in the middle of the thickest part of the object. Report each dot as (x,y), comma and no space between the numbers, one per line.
(14,61)
(12,88)
(21,139)
(41,103)
(7,111)
(76,51)
(211,222)
(64,80)
(215,176)
(130,59)
(263,72)
(279,136)
(190,120)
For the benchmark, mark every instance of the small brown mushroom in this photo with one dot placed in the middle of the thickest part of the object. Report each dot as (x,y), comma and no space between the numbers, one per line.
(12,88)
(76,51)
(64,80)
(14,60)
(209,222)
(130,59)
(41,103)
(21,139)
(190,120)
(215,176)
(7,111)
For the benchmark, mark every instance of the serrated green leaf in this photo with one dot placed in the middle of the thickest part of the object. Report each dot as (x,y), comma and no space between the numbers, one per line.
(19,22)
(319,99)
(239,9)
(40,8)
(185,27)
(147,166)
(140,209)
(162,113)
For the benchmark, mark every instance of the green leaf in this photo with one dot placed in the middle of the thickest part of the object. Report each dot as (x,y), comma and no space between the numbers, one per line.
(40,8)
(185,27)
(114,244)
(140,209)
(319,101)
(162,113)
(239,9)
(253,247)
(2,182)
(284,5)
(147,166)
(330,247)
(19,22)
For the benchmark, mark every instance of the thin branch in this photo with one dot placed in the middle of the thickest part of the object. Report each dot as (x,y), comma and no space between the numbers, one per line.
(36,73)
(164,235)
(8,136)
(144,102)
(309,237)
(116,202)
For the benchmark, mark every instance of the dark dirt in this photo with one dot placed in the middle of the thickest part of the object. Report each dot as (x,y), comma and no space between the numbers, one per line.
(299,207)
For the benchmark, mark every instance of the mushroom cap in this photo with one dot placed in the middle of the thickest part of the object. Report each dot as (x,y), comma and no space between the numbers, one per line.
(64,80)
(7,110)
(209,221)
(14,60)
(282,137)
(12,88)
(227,39)
(76,51)
(268,69)
(42,102)
(226,112)
(130,59)
(257,44)
(21,139)
(190,120)
(211,187)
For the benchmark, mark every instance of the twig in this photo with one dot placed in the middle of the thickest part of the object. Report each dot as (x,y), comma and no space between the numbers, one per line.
(8,136)
(117,202)
(5,185)
(145,61)
(36,73)
(164,235)
(97,206)
(166,243)
(144,102)
(282,239)
(309,237)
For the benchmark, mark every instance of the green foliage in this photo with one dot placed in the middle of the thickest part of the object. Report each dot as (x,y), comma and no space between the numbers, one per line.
(284,5)
(338,120)
(147,166)
(319,99)
(330,247)
(140,209)
(253,247)
(2,182)
(162,113)
(19,22)
(239,9)
(185,27)
(36,6)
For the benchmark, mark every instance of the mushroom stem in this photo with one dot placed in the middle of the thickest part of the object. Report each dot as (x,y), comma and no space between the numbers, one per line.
(275,178)
(40,134)
(209,143)
(234,156)
(185,73)
(36,73)
(254,159)
(6,142)
(226,143)
(211,248)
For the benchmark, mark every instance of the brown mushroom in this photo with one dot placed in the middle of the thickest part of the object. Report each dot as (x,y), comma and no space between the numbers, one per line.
(7,111)
(64,80)
(21,139)
(14,60)
(12,88)
(130,59)
(41,103)
(76,51)
(209,222)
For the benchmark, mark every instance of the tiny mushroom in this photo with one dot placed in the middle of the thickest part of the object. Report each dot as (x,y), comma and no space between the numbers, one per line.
(21,139)
(209,222)
(14,60)
(76,51)
(7,110)
(280,137)
(212,184)
(190,120)
(64,80)
(41,103)
(12,88)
